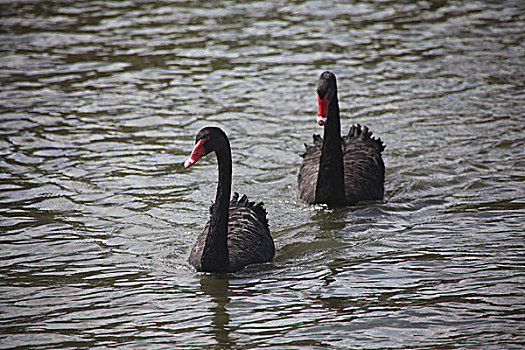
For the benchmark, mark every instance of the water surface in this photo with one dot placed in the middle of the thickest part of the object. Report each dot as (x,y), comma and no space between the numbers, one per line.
(100,103)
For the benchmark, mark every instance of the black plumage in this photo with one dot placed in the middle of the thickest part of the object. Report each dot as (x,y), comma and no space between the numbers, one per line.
(340,170)
(237,233)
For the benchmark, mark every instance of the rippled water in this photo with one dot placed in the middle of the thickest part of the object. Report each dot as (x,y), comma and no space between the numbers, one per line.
(100,102)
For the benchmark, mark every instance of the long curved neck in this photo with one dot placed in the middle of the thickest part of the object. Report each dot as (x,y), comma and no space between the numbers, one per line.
(215,253)
(330,188)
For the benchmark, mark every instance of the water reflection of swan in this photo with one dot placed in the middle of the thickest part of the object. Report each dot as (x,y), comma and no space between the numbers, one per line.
(218,290)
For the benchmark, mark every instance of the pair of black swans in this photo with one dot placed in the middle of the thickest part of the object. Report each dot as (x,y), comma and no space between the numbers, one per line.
(335,171)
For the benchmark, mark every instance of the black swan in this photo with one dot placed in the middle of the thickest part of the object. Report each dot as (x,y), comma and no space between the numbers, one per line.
(237,233)
(340,170)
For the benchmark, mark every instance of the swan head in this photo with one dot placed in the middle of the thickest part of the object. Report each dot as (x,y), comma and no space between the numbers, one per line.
(326,90)
(207,140)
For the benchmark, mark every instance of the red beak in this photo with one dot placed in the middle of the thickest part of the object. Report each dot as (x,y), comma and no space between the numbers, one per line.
(196,154)
(323,109)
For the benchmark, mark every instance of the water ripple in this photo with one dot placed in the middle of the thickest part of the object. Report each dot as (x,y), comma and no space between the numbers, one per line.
(100,105)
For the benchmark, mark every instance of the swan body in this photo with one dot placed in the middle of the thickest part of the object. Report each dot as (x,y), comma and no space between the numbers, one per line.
(340,170)
(246,245)
(237,233)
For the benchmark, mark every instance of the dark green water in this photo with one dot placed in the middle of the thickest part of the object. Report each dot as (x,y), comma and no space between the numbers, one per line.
(99,105)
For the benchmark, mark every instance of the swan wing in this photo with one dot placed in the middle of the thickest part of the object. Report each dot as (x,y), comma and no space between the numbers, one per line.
(307,179)
(363,165)
(249,239)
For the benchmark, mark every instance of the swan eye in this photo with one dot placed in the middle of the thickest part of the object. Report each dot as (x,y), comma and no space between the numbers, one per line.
(205,139)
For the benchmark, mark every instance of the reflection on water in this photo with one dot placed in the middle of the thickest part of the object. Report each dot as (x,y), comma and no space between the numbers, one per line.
(99,105)
(218,290)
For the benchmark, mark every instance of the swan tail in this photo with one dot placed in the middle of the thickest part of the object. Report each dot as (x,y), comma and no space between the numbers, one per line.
(318,145)
(358,133)
(258,208)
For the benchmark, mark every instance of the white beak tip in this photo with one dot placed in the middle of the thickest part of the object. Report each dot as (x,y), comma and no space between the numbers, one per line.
(189,162)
